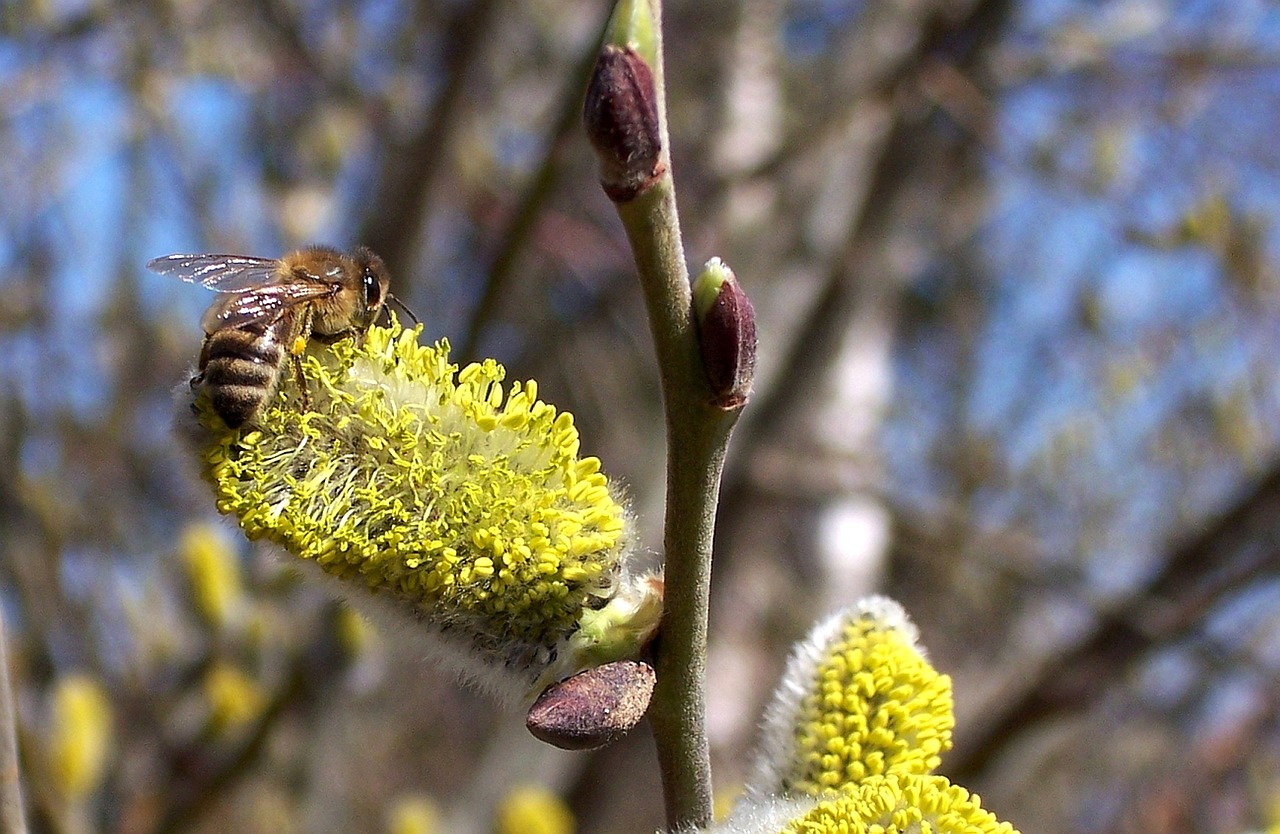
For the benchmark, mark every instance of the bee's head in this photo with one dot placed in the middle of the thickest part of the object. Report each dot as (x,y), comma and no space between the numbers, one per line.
(375,285)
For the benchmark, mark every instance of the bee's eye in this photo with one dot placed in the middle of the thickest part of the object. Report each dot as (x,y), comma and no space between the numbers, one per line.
(372,289)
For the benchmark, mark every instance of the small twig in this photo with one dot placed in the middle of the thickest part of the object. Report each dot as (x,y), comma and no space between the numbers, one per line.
(523,220)
(625,115)
(1196,575)
(185,810)
(12,818)
(697,435)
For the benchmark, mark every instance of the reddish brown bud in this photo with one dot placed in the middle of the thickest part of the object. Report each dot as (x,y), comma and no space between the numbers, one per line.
(621,117)
(592,708)
(726,334)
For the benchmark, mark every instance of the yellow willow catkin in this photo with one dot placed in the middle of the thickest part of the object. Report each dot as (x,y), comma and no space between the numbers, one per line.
(858,699)
(461,503)
(854,731)
(900,804)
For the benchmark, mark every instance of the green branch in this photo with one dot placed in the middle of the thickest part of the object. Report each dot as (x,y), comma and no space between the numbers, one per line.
(625,116)
(697,435)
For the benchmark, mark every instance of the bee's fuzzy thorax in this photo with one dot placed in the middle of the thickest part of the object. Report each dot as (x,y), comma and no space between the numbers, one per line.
(447,497)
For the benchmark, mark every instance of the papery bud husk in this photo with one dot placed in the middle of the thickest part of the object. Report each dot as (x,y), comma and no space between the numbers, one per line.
(593,708)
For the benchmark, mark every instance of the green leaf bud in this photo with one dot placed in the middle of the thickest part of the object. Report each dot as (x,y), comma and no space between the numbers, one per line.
(632,26)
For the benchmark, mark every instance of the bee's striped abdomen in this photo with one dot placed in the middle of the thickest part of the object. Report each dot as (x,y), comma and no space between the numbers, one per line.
(240,369)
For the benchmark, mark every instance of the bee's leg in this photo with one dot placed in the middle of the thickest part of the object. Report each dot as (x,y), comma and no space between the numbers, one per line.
(196,380)
(296,348)
(298,344)
(337,336)
(301,382)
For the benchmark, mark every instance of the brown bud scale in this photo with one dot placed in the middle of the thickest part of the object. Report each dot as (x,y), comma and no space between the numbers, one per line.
(621,118)
(727,337)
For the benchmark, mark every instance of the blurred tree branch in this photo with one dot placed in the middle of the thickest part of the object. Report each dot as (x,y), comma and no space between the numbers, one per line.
(12,816)
(524,217)
(201,779)
(394,227)
(1196,575)
(851,275)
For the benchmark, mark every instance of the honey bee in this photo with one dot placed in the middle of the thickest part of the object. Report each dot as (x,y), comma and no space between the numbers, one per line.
(270,309)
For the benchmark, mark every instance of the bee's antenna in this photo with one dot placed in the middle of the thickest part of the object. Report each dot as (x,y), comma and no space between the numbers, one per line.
(391,297)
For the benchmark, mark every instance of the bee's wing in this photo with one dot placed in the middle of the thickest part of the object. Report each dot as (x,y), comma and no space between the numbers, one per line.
(261,304)
(220,273)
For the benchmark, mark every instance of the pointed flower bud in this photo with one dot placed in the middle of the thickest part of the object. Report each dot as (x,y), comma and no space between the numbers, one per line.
(437,494)
(593,708)
(726,334)
(858,699)
(620,114)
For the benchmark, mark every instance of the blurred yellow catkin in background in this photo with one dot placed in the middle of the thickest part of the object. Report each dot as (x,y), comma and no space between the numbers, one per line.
(532,809)
(80,736)
(213,571)
(413,814)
